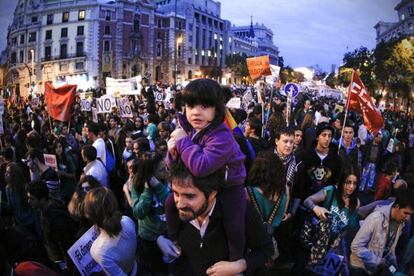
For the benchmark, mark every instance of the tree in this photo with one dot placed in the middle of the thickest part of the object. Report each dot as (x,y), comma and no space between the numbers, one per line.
(287,74)
(332,80)
(237,64)
(320,74)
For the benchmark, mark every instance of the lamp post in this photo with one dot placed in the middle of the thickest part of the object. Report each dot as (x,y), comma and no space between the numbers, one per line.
(178,42)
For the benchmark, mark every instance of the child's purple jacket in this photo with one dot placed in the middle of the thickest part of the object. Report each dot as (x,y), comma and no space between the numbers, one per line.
(217,148)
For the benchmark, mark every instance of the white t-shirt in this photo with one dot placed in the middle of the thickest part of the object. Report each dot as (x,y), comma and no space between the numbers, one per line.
(100,147)
(116,255)
(97,170)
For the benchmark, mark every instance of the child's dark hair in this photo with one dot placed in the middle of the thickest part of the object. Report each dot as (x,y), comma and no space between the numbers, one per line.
(205,92)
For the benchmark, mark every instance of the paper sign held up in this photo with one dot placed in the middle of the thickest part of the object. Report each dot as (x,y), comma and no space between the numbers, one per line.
(51,161)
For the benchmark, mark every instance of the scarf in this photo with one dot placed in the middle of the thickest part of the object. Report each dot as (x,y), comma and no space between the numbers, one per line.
(290,162)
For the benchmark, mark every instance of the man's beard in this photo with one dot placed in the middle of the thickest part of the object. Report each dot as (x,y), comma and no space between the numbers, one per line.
(194,214)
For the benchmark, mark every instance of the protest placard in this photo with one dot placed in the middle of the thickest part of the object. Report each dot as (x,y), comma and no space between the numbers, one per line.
(234,103)
(94,115)
(51,161)
(104,104)
(258,66)
(81,255)
(86,104)
(124,109)
(34,103)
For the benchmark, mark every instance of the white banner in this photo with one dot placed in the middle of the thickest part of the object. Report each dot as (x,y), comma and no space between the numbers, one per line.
(131,86)
(81,255)
(247,98)
(104,104)
(124,109)
(159,97)
(86,104)
(234,103)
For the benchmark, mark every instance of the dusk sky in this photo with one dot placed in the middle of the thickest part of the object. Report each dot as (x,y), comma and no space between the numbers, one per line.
(307,32)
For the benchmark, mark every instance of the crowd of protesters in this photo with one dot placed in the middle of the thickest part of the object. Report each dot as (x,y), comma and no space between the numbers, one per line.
(190,187)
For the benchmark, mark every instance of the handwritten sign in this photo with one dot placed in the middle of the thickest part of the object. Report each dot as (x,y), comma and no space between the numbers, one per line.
(51,161)
(81,255)
(258,66)
(86,104)
(104,104)
(94,115)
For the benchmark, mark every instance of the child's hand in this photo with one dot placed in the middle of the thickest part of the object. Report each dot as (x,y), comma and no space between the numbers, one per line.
(178,134)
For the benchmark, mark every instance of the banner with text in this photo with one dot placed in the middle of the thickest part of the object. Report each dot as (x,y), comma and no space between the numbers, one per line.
(131,86)
(124,109)
(105,104)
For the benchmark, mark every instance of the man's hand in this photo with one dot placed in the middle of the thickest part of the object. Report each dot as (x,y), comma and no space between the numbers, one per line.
(227,268)
(168,248)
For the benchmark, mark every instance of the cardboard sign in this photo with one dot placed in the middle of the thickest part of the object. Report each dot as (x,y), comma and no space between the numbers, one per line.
(158,96)
(86,95)
(131,86)
(124,109)
(94,115)
(234,103)
(104,104)
(390,146)
(51,161)
(258,66)
(247,98)
(86,104)
(81,255)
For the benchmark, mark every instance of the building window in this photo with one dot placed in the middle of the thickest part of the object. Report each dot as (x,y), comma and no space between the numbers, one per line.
(49,20)
(107,46)
(158,49)
(29,55)
(159,23)
(63,50)
(81,15)
(48,52)
(48,34)
(80,30)
(180,25)
(13,58)
(107,30)
(34,19)
(22,39)
(64,32)
(32,37)
(411,10)
(21,56)
(79,65)
(410,26)
(79,49)
(136,24)
(65,16)
(14,40)
(158,35)
(189,61)
(108,16)
(179,51)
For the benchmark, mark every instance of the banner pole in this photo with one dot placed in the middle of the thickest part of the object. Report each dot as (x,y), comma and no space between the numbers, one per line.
(346,109)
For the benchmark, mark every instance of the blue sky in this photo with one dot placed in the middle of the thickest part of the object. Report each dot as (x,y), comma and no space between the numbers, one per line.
(307,32)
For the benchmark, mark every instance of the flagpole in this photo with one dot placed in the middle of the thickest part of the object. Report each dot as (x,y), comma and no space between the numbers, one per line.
(346,109)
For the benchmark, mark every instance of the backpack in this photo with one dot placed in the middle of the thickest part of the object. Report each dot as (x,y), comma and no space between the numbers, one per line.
(110,161)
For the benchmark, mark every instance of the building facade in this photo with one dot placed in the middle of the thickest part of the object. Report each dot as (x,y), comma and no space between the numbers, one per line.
(254,36)
(84,41)
(206,39)
(404,27)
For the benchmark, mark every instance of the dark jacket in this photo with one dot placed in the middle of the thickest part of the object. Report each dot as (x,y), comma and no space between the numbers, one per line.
(314,174)
(366,155)
(199,254)
(351,157)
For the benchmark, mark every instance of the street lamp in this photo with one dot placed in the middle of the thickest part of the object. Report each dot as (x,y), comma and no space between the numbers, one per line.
(178,42)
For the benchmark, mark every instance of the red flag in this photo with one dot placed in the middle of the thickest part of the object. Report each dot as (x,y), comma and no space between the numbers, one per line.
(59,101)
(359,101)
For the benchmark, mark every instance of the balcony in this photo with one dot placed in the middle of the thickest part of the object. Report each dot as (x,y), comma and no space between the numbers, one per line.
(64,57)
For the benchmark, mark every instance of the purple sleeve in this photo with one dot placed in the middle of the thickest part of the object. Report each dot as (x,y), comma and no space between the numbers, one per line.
(204,160)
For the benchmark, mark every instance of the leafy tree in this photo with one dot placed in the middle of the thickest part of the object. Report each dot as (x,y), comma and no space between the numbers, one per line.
(287,74)
(331,80)
(237,64)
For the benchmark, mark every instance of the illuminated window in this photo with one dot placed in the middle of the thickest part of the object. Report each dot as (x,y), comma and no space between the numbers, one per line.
(81,15)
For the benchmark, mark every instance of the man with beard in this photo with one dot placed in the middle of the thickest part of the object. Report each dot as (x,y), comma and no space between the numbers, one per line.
(202,239)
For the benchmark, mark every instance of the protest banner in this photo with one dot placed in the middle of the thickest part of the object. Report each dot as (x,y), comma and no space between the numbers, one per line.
(258,67)
(247,98)
(234,103)
(86,104)
(104,104)
(51,161)
(124,109)
(331,265)
(80,253)
(131,86)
